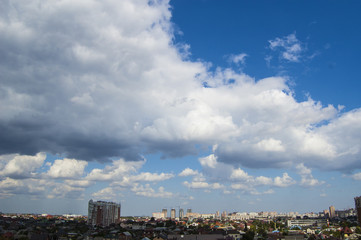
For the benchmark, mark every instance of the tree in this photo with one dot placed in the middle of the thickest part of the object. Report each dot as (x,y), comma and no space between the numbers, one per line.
(336,234)
(249,235)
(263,233)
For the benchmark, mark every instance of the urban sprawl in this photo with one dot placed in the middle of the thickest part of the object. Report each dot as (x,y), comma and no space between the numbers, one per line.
(104,221)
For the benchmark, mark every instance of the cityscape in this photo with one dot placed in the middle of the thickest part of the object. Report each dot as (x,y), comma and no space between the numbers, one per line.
(104,221)
(180,119)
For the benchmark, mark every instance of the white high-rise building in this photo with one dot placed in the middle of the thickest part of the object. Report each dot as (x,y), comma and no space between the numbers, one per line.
(103,213)
(158,215)
(172,213)
(165,214)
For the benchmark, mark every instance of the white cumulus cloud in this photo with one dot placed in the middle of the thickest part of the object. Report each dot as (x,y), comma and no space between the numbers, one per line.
(284,181)
(357,176)
(117,86)
(291,47)
(22,166)
(237,59)
(307,178)
(105,194)
(113,172)
(67,168)
(147,191)
(188,172)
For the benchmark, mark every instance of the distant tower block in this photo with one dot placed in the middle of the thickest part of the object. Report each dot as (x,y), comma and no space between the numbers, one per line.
(165,213)
(181,213)
(332,212)
(326,213)
(358,209)
(189,210)
(172,213)
(224,215)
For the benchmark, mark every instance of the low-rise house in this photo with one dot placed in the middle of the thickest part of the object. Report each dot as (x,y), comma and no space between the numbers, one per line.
(310,231)
(234,234)
(197,237)
(125,236)
(138,227)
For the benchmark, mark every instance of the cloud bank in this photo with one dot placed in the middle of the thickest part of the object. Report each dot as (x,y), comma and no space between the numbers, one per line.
(68,178)
(102,80)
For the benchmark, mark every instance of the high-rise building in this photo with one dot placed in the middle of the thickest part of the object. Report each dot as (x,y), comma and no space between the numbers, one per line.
(181,213)
(189,210)
(326,213)
(157,215)
(332,212)
(172,213)
(224,215)
(103,213)
(358,209)
(217,215)
(165,213)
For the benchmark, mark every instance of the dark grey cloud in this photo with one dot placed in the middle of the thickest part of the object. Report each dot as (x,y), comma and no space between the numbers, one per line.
(63,84)
(171,149)
(103,80)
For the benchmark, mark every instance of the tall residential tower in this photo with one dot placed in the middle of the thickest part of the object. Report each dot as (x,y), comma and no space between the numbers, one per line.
(332,212)
(172,213)
(103,213)
(358,209)
(181,213)
(165,213)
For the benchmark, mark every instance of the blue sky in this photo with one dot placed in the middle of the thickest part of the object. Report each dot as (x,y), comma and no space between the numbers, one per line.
(209,105)
(326,30)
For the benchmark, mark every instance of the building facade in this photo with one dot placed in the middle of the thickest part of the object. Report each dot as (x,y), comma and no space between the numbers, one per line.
(326,213)
(332,212)
(308,222)
(181,213)
(103,213)
(224,215)
(358,209)
(172,213)
(165,213)
(158,215)
(345,213)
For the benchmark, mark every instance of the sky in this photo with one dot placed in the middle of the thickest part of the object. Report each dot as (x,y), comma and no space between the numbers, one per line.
(236,106)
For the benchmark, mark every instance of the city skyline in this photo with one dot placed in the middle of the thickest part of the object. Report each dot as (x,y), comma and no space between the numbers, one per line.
(209,105)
